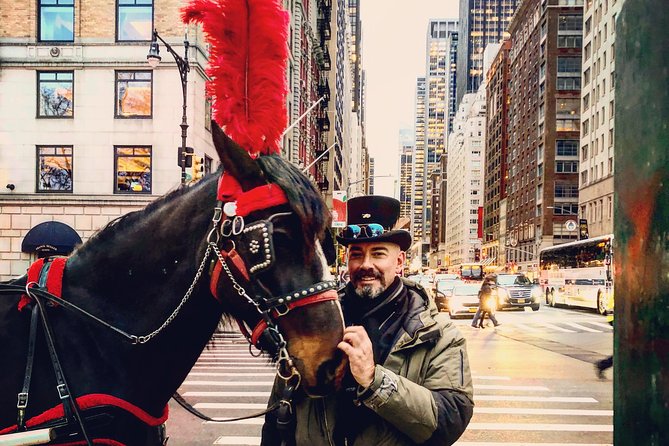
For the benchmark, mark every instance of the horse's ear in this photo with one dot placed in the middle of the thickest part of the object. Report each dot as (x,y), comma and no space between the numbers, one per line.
(235,160)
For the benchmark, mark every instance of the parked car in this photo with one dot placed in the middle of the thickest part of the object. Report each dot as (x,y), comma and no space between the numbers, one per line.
(517,291)
(463,300)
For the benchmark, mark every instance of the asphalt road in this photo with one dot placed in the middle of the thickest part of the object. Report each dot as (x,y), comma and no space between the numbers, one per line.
(533,376)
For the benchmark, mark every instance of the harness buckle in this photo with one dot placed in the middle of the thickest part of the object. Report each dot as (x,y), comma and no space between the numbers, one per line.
(62,391)
(218,213)
(22,400)
(282,310)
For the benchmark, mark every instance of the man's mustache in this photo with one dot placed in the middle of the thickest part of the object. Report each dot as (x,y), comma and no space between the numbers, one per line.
(358,275)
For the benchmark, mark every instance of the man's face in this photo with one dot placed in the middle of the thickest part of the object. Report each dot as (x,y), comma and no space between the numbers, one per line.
(373,266)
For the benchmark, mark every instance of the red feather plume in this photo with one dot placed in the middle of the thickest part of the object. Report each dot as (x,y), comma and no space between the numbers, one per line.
(247,64)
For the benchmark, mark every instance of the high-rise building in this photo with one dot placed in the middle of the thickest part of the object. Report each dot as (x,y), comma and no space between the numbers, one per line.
(481,22)
(418,187)
(406,172)
(438,80)
(452,45)
(465,179)
(496,150)
(545,89)
(597,116)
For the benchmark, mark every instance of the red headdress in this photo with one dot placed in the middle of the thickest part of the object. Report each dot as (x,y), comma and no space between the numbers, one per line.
(247,64)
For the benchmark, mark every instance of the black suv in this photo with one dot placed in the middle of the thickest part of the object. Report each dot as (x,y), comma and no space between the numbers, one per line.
(517,291)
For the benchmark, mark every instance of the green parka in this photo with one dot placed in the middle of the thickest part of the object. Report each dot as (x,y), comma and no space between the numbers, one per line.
(422,394)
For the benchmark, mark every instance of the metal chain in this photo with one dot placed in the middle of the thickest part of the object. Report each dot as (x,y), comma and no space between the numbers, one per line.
(240,289)
(146,338)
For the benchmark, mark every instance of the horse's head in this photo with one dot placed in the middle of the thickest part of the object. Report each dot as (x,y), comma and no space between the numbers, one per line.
(274,218)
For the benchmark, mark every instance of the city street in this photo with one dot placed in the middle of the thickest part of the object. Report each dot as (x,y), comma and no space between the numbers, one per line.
(534,384)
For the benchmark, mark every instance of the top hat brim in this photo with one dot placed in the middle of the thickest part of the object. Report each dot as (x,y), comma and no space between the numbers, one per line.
(399,237)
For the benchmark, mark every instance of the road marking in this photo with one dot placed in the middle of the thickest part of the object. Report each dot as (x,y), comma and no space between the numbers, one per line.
(600,324)
(259,406)
(228,383)
(493,378)
(536,399)
(581,327)
(229,374)
(237,357)
(523,327)
(227,394)
(250,421)
(486,443)
(555,327)
(541,427)
(218,366)
(232,363)
(542,411)
(242,441)
(502,387)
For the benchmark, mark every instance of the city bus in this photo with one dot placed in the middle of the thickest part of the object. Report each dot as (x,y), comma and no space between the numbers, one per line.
(578,273)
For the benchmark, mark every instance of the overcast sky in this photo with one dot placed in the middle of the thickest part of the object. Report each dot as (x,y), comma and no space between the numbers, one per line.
(393,45)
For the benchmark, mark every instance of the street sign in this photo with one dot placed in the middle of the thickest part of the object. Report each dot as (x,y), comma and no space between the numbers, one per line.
(570,225)
(339,209)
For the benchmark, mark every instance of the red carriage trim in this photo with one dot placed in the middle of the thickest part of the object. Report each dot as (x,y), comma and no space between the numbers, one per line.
(322,297)
(258,198)
(88,402)
(54,280)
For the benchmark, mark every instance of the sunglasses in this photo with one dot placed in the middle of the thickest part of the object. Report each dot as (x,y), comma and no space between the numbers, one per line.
(369,230)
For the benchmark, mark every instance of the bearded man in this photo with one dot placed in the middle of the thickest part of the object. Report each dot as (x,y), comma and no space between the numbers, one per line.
(409,380)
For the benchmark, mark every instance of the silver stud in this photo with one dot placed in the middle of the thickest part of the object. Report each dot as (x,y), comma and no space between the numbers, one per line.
(288,298)
(268,256)
(296,294)
(280,301)
(311,290)
(304,292)
(319,287)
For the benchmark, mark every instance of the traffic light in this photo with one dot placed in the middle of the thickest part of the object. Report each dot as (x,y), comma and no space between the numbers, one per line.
(186,156)
(198,167)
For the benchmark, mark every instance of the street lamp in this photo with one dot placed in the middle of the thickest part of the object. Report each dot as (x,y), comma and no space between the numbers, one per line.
(153,59)
(365,179)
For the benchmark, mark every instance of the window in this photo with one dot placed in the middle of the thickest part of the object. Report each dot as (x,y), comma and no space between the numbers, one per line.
(571,22)
(570,42)
(566,125)
(54,169)
(568,83)
(132,167)
(584,152)
(566,147)
(566,166)
(56,20)
(134,20)
(207,114)
(567,107)
(134,94)
(569,65)
(584,178)
(566,190)
(55,98)
(208,164)
(566,209)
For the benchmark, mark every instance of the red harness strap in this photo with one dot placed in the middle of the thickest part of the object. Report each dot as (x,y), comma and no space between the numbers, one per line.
(322,297)
(54,279)
(258,198)
(216,274)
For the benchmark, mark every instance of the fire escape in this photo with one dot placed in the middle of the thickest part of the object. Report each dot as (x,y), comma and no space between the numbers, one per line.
(322,56)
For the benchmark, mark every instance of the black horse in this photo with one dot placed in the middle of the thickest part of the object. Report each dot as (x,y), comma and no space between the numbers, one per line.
(137,270)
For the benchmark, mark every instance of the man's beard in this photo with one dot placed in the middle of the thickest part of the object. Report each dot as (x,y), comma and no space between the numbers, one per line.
(369,291)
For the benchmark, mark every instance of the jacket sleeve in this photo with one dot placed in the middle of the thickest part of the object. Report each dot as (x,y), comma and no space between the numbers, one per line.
(435,412)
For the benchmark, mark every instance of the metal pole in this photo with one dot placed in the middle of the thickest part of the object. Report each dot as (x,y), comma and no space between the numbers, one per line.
(641,225)
(302,116)
(319,157)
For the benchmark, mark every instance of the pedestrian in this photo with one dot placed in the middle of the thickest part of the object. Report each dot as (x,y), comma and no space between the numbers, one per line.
(486,303)
(604,364)
(408,380)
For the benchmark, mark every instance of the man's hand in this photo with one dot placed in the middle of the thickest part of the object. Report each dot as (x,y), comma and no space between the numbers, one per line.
(358,348)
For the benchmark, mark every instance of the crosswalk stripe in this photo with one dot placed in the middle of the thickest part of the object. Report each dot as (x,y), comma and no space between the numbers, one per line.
(492,378)
(227,394)
(227,367)
(542,411)
(523,327)
(250,421)
(259,406)
(541,427)
(581,327)
(490,443)
(231,363)
(229,374)
(503,387)
(241,441)
(555,327)
(535,399)
(599,324)
(228,383)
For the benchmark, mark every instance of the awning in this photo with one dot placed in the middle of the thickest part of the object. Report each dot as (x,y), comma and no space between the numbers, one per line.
(51,237)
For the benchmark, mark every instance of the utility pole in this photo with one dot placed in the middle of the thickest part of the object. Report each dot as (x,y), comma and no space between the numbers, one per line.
(641,256)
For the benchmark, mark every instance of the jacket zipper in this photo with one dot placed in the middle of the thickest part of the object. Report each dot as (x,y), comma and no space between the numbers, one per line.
(325,417)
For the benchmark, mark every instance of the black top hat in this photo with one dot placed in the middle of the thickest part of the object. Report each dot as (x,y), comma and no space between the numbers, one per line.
(376,209)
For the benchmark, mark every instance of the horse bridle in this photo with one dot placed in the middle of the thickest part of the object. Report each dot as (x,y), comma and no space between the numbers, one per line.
(235,204)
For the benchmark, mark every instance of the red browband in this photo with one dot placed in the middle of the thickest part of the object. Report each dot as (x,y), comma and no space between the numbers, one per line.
(256,199)
(322,297)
